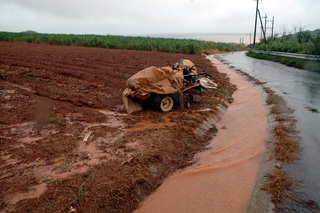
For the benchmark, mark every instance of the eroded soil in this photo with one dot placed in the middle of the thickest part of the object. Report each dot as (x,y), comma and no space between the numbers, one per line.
(66,142)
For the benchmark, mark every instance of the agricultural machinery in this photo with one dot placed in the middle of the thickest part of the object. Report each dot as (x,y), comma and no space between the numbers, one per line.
(166,88)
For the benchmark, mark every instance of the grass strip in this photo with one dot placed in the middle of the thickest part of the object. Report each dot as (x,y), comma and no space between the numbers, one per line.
(174,45)
(291,62)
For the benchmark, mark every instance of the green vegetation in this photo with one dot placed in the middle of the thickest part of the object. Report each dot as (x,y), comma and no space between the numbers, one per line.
(300,42)
(189,46)
(291,62)
(291,45)
(312,109)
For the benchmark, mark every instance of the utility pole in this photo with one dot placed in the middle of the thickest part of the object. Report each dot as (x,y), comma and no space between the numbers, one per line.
(265,24)
(261,24)
(272,22)
(272,27)
(255,24)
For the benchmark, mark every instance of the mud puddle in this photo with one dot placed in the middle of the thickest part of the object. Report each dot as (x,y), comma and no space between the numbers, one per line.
(91,149)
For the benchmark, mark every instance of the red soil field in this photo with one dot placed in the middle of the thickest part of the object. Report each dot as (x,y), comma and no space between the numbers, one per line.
(66,142)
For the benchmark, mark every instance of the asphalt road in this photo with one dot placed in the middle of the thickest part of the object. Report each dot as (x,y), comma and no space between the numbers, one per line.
(301,90)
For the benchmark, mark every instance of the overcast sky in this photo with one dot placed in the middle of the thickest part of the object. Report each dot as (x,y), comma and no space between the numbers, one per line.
(141,17)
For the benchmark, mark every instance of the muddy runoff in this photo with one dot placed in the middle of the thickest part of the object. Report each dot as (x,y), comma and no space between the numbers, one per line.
(224,176)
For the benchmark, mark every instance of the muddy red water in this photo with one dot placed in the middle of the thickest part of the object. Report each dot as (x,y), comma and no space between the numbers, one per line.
(224,176)
(66,142)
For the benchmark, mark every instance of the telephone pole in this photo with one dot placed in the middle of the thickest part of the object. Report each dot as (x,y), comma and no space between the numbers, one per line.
(255,24)
(272,27)
(265,24)
(262,28)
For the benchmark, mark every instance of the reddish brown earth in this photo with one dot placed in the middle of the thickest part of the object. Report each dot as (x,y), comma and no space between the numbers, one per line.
(66,142)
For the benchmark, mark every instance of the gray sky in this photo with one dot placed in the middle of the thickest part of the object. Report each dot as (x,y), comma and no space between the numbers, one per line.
(139,17)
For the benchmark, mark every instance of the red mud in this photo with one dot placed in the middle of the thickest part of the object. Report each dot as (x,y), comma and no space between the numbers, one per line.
(224,176)
(66,142)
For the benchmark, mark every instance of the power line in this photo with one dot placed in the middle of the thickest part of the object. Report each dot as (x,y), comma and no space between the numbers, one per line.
(263,8)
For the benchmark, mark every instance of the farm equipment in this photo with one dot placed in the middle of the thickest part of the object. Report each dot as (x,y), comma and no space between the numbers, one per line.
(166,88)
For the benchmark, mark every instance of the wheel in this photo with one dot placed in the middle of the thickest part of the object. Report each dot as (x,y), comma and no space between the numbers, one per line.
(188,99)
(163,103)
(143,103)
(187,103)
(199,88)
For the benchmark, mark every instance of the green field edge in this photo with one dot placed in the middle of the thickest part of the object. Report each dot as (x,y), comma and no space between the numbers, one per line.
(173,45)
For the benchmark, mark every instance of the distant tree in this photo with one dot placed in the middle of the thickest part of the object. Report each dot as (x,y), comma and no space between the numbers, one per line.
(284,32)
(303,35)
(30,32)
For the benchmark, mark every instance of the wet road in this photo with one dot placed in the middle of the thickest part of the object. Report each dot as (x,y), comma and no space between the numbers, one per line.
(300,89)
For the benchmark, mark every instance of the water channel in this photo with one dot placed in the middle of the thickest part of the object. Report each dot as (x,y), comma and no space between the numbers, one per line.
(301,90)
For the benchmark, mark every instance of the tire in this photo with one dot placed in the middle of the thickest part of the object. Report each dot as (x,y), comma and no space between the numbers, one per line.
(164,103)
(143,103)
(188,99)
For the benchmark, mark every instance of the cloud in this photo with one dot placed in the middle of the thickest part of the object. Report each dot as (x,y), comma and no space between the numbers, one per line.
(150,16)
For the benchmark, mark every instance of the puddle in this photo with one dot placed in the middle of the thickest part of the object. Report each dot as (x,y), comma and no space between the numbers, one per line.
(110,113)
(33,192)
(95,145)
(29,139)
(91,150)
(144,124)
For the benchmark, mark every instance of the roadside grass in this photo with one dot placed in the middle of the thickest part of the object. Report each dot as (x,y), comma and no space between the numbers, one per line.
(312,109)
(273,99)
(188,46)
(291,62)
(250,78)
(285,147)
(279,184)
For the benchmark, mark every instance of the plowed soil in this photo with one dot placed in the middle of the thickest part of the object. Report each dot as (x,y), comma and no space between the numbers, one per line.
(66,142)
